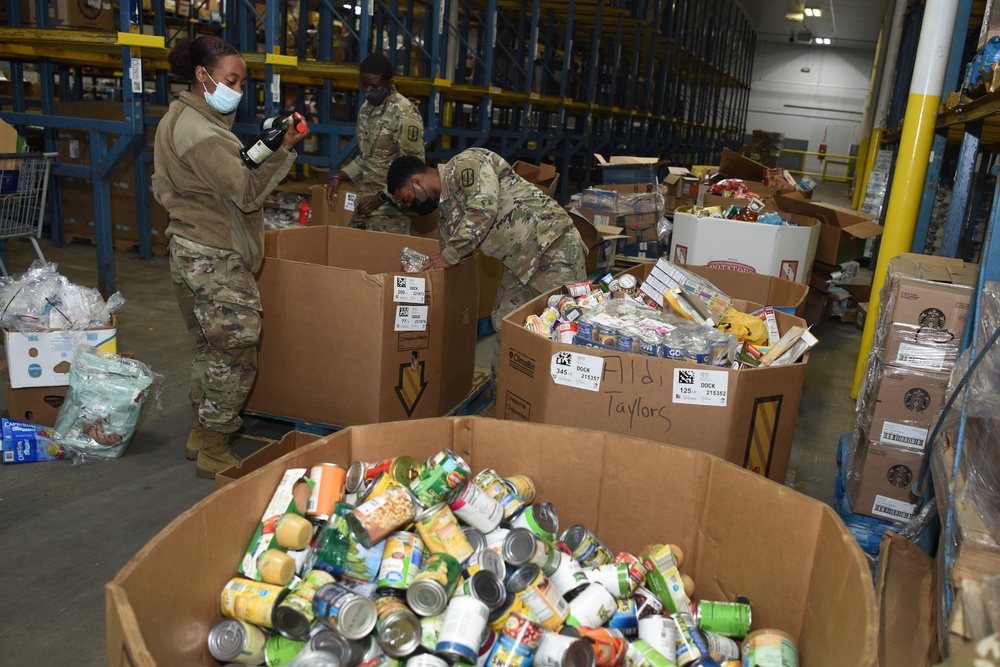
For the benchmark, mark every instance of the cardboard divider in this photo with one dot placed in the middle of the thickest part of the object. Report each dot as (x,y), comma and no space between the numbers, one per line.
(792,557)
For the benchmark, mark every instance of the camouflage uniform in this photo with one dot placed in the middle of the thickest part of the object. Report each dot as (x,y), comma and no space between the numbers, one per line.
(221,308)
(485,204)
(385,132)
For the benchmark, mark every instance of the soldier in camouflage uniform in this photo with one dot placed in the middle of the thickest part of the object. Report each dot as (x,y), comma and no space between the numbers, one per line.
(388,126)
(485,204)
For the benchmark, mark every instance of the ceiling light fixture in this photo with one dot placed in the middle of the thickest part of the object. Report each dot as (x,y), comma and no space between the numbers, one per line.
(813,12)
(822,40)
(798,17)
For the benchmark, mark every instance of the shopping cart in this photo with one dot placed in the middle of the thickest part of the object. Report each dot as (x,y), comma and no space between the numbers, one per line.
(24,183)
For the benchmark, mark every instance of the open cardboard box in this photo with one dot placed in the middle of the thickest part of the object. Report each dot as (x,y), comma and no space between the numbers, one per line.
(789,554)
(629,168)
(746,417)
(737,165)
(601,238)
(544,177)
(424,226)
(843,232)
(784,295)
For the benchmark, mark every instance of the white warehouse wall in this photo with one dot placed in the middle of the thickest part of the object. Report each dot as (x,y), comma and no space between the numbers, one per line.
(829,95)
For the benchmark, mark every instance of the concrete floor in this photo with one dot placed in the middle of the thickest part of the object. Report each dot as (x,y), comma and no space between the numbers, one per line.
(68,529)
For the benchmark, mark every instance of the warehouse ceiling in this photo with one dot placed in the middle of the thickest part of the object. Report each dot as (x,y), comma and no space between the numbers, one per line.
(850,24)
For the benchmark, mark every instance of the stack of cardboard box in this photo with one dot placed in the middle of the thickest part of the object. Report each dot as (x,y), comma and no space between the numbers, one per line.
(916,344)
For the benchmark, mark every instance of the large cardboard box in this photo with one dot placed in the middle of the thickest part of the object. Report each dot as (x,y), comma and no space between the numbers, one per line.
(629,168)
(424,226)
(79,14)
(900,405)
(844,230)
(789,554)
(883,488)
(288,443)
(786,252)
(746,417)
(39,405)
(600,237)
(737,165)
(348,338)
(782,294)
(544,177)
(680,182)
(43,358)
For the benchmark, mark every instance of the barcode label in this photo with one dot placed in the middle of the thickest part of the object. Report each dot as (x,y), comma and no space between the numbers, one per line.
(892,509)
(8,457)
(904,434)
(921,357)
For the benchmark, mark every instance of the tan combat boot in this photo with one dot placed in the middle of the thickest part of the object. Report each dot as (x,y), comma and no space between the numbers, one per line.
(215,455)
(196,439)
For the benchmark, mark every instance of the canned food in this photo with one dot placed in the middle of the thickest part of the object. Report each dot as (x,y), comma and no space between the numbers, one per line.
(307,657)
(566,331)
(628,283)
(463,630)
(535,324)
(607,334)
(613,577)
(440,531)
(625,619)
(690,644)
(496,538)
(340,553)
(487,647)
(636,570)
(539,595)
(235,640)
(731,619)
(280,651)
(541,519)
(549,316)
(608,645)
(585,329)
(770,648)
(397,629)
(568,575)
(344,610)
(721,648)
(592,607)
(403,469)
(522,487)
(517,643)
(442,477)
(488,560)
(477,508)
(376,487)
(434,584)
(663,578)
(330,480)
(490,482)
(660,633)
(585,547)
(426,660)
(373,520)
(355,477)
(559,650)
(641,654)
(402,556)
(486,587)
(522,546)
(629,339)
(476,537)
(577,289)
(430,627)
(349,652)
(294,617)
(646,603)
(251,601)
(512,604)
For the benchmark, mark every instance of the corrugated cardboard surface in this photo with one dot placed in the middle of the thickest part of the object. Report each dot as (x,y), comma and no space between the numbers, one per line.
(424,226)
(842,227)
(905,592)
(288,443)
(635,397)
(768,290)
(43,358)
(39,405)
(887,472)
(329,352)
(741,534)
(902,396)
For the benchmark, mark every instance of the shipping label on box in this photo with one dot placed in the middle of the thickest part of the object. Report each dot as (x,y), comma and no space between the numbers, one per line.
(43,358)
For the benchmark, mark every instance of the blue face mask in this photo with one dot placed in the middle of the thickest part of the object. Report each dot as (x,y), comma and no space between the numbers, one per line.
(224,99)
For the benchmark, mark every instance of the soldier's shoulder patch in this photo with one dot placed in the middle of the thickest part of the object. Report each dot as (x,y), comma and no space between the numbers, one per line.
(468,175)
(412,132)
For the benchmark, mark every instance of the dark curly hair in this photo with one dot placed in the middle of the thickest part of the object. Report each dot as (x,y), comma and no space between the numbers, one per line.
(205,51)
(401,169)
(377,64)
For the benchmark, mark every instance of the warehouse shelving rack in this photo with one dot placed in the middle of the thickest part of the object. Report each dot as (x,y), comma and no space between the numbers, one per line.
(531,79)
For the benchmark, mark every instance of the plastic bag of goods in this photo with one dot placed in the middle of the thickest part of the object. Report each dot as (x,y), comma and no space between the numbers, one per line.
(103,405)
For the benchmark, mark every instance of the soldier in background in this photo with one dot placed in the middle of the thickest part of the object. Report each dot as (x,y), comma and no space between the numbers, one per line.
(388,126)
(485,204)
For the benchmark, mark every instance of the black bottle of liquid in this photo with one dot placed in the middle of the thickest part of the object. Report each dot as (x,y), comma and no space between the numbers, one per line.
(291,117)
(264,145)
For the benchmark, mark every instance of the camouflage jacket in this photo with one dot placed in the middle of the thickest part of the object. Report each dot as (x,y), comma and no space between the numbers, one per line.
(385,132)
(485,204)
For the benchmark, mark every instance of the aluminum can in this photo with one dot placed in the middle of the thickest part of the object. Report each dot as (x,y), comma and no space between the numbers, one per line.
(339,552)
(442,477)
(541,519)
(646,603)
(280,651)
(403,469)
(592,607)
(540,596)
(517,643)
(522,546)
(330,480)
(440,532)
(585,547)
(426,660)
(486,587)
(660,633)
(690,644)
(636,570)
(463,631)
(397,629)
(495,539)
(235,640)
(613,577)
(568,575)
(640,654)
(577,289)
(376,487)
(488,560)
(430,627)
(585,329)
(567,331)
(373,520)
(608,645)
(770,648)
(720,647)
(477,508)
(476,537)
(731,619)
(512,604)
(434,584)
(607,334)
(629,339)
(294,617)
(522,487)
(490,482)
(402,556)
(355,477)
(487,647)
(625,619)
(251,601)
(350,653)
(559,650)
(307,657)
(344,610)
(628,284)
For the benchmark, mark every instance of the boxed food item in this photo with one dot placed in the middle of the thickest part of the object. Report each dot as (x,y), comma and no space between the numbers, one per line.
(43,358)
(340,312)
(730,524)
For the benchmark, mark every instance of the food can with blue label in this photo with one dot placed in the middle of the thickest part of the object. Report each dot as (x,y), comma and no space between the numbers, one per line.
(464,630)
(402,556)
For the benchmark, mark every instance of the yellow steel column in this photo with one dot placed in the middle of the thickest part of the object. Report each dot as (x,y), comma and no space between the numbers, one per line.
(914,152)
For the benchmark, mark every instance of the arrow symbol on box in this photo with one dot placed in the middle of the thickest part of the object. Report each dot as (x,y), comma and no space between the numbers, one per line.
(411,386)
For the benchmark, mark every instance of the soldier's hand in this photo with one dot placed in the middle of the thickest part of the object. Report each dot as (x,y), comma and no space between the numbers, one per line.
(434,262)
(332,189)
(292,135)
(368,205)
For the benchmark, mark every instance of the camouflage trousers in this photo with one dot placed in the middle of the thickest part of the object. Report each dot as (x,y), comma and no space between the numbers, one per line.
(563,262)
(391,223)
(221,307)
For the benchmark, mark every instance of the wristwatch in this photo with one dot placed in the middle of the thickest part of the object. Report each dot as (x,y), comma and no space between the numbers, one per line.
(383,197)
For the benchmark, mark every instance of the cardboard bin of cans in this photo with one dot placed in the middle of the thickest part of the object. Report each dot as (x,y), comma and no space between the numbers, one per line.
(425,564)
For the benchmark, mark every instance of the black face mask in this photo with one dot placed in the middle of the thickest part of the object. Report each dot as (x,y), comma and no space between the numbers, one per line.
(377,97)
(423,206)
